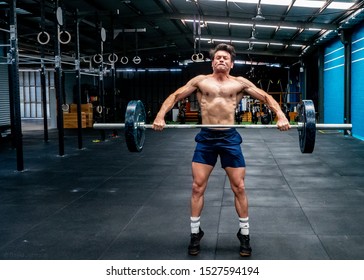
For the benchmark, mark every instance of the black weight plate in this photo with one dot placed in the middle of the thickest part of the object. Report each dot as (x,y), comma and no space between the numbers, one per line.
(307,134)
(135,133)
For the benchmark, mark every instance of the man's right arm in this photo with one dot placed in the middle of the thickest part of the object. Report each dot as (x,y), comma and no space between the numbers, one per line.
(173,98)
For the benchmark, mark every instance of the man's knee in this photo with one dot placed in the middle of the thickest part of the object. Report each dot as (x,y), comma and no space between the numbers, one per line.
(198,187)
(238,187)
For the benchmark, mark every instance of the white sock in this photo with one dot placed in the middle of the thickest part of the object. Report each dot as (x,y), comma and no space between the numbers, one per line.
(195,224)
(244,225)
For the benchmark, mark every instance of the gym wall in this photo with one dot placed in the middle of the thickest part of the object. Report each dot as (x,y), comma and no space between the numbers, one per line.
(4,92)
(357,85)
(334,61)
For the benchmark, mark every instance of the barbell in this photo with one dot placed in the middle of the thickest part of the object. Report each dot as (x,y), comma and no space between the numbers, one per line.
(135,126)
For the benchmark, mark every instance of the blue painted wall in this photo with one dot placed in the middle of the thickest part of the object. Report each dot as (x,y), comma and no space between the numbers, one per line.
(357,84)
(334,61)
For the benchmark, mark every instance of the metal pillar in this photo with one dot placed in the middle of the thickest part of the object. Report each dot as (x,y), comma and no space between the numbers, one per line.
(78,80)
(321,97)
(43,80)
(101,81)
(14,88)
(58,87)
(346,40)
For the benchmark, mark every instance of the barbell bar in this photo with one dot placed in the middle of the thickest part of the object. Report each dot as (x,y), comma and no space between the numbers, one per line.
(319,126)
(135,126)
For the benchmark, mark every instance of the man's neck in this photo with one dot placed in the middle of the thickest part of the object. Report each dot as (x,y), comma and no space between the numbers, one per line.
(221,76)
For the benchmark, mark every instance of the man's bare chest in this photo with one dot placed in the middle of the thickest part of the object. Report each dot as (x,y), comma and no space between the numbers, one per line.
(220,89)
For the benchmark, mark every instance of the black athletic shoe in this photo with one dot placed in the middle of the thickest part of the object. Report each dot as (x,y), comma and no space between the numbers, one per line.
(245,249)
(194,247)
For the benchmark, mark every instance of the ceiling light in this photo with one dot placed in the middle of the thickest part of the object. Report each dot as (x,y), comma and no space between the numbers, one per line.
(261,43)
(240,24)
(289,27)
(269,2)
(204,39)
(340,5)
(222,40)
(314,29)
(259,15)
(240,42)
(308,4)
(266,26)
(253,34)
(206,22)
(252,37)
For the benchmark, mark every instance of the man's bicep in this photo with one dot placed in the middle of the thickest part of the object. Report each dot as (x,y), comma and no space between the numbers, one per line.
(185,91)
(245,82)
(256,93)
(189,88)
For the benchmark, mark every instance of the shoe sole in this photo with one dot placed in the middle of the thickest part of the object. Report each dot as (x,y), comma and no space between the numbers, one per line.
(245,254)
(193,253)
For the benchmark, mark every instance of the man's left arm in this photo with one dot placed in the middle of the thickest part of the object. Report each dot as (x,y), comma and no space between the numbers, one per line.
(257,93)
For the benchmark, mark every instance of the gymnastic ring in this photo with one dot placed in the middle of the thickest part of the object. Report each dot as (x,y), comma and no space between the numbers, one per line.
(114,56)
(64,42)
(46,41)
(65,107)
(197,57)
(124,60)
(99,109)
(137,59)
(97,55)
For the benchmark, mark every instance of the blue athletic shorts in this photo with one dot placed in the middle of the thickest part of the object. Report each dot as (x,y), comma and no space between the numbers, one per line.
(212,143)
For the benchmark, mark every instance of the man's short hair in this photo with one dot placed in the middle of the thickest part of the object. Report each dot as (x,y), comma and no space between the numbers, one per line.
(223,47)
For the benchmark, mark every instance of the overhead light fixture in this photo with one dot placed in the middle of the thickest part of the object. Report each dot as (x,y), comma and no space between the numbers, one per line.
(254,33)
(251,46)
(259,15)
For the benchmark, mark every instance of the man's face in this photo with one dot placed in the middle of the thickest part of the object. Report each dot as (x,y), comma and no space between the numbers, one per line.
(222,62)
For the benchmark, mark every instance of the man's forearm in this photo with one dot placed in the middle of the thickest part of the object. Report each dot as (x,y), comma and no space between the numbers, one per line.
(274,106)
(167,106)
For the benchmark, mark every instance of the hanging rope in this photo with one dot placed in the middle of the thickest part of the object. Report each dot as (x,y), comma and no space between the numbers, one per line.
(124,59)
(64,37)
(197,57)
(136,58)
(43,36)
(199,34)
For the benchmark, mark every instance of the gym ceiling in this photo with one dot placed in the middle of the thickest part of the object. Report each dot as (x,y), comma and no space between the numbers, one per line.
(270,31)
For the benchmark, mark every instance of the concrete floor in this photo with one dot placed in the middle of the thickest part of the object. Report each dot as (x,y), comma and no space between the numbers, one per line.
(102,202)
